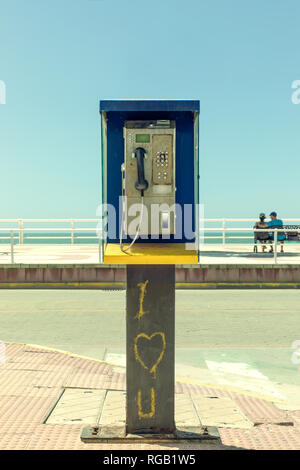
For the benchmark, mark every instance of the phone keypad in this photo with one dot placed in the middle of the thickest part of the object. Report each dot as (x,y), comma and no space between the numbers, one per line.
(162,159)
(161,162)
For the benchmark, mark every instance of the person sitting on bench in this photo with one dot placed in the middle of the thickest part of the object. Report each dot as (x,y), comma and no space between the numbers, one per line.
(262,237)
(276,223)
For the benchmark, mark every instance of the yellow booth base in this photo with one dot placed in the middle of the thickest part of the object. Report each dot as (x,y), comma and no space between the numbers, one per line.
(151,253)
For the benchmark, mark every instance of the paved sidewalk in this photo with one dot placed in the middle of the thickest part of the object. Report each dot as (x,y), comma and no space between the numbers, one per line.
(89,254)
(32,381)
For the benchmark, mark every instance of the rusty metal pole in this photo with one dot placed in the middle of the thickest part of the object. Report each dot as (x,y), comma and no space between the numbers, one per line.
(150,364)
(150,338)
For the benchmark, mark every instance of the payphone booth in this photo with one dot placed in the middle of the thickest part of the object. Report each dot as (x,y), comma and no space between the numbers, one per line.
(150,184)
(150,181)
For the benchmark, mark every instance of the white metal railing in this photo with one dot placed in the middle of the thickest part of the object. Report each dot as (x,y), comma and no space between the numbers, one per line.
(224,228)
(224,232)
(89,230)
(72,229)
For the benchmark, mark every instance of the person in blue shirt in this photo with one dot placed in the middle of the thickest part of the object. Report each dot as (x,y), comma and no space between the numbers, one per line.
(276,223)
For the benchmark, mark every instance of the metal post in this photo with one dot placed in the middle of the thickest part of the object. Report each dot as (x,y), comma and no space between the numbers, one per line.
(223,232)
(21,232)
(150,364)
(12,247)
(275,245)
(72,232)
(150,315)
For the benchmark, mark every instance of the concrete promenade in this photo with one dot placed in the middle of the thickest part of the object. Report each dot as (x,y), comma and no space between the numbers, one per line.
(77,266)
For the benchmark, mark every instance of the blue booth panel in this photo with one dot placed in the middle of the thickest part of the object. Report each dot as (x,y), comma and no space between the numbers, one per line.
(185,115)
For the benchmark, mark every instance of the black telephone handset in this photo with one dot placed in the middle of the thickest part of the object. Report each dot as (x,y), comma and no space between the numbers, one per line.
(141,183)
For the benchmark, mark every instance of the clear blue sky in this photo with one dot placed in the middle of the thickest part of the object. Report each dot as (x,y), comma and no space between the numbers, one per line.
(58,58)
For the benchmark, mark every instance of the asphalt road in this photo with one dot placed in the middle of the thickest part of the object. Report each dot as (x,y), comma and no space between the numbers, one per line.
(248,332)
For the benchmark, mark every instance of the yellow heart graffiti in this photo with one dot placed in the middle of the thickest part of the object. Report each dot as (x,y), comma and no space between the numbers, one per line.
(138,357)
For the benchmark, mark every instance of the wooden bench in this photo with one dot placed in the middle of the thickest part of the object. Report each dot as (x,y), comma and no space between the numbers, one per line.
(290,232)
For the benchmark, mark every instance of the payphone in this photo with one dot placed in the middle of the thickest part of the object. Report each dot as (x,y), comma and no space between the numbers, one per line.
(150,140)
(150,209)
(148,178)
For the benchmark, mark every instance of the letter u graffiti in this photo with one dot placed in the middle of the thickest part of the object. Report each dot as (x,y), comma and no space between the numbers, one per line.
(151,413)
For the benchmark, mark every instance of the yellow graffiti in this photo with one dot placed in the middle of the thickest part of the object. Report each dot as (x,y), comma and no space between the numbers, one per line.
(142,286)
(139,403)
(138,357)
